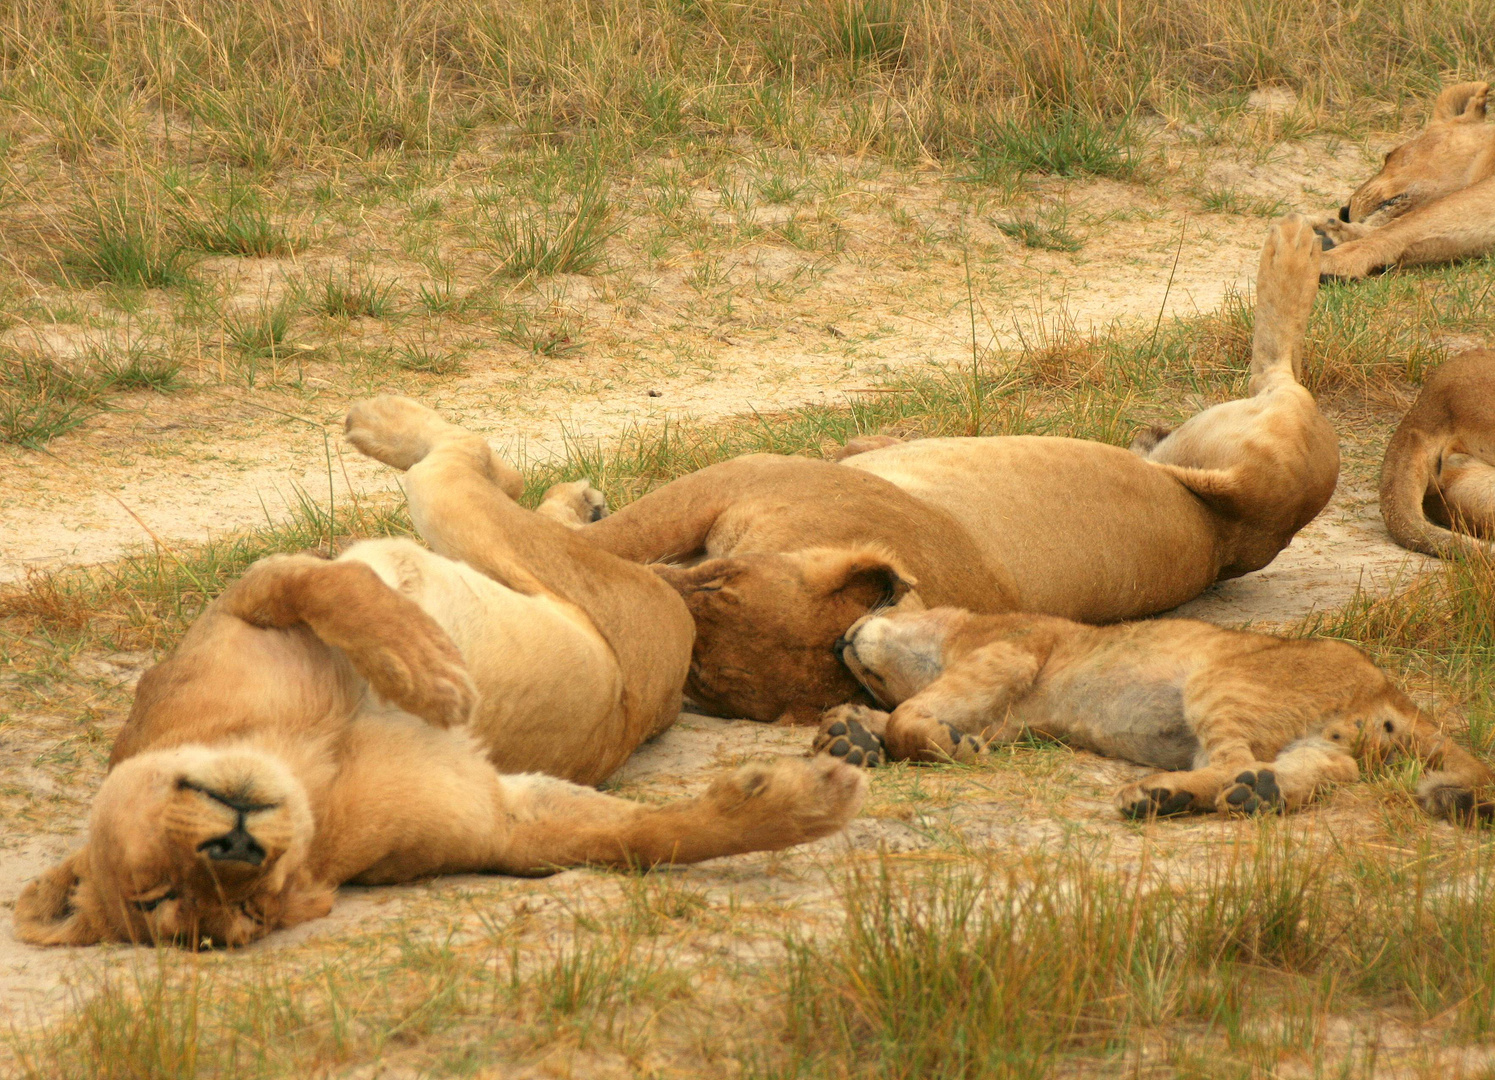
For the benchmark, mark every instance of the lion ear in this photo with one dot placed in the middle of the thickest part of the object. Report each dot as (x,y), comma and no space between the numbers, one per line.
(1464,103)
(59,907)
(857,571)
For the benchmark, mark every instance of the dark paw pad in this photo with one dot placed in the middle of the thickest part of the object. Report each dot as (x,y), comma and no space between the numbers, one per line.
(854,744)
(962,746)
(1327,242)
(1160,802)
(1255,792)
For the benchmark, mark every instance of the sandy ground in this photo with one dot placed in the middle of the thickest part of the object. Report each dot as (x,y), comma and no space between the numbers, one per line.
(194,464)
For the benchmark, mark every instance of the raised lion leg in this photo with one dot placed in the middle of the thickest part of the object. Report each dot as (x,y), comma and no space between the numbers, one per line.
(760,807)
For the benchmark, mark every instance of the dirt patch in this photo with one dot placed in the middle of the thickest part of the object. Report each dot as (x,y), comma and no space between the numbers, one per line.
(771,327)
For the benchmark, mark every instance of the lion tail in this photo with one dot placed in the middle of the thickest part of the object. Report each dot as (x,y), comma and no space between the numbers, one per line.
(1407,471)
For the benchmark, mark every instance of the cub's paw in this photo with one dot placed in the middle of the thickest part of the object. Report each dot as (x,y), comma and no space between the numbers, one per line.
(395,430)
(1455,803)
(1255,791)
(574,504)
(1140,801)
(964,747)
(847,733)
(1148,439)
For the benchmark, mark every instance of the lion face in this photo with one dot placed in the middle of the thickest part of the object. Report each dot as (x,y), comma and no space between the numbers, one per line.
(898,654)
(191,845)
(1455,150)
(768,625)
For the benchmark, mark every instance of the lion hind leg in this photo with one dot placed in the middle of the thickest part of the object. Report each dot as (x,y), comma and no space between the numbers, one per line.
(1302,770)
(1287,280)
(764,806)
(402,433)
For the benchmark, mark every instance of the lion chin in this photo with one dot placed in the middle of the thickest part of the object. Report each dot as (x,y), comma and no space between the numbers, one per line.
(196,846)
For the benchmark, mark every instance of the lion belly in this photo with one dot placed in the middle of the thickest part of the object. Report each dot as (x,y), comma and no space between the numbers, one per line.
(550,686)
(1114,706)
(1088,531)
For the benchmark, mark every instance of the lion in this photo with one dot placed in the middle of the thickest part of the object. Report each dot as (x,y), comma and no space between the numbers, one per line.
(1433,200)
(1438,477)
(400,712)
(1239,722)
(776,556)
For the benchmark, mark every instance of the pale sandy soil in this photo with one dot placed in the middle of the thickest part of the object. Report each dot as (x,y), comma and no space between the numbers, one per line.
(194,464)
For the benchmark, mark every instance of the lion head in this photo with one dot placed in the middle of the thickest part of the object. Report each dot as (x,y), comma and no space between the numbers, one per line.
(768,625)
(191,845)
(897,654)
(1456,149)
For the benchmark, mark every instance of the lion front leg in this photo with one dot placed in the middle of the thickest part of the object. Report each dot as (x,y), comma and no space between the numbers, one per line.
(1458,226)
(760,807)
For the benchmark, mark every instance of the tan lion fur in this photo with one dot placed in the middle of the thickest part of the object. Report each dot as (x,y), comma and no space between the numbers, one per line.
(1433,200)
(1438,477)
(777,556)
(1241,722)
(401,712)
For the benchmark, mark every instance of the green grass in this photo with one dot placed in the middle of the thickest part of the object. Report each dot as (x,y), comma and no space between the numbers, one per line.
(356,293)
(552,239)
(1064,142)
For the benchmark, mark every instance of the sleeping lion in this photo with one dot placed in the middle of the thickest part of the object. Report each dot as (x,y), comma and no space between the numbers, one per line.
(364,720)
(776,556)
(1433,200)
(1238,722)
(1438,477)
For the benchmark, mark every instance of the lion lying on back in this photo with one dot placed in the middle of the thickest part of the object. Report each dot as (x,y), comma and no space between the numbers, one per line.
(1433,200)
(1240,722)
(354,720)
(1438,477)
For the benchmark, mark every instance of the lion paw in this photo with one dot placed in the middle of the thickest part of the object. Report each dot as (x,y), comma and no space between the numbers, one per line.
(843,735)
(1137,801)
(573,504)
(395,430)
(964,747)
(788,800)
(1455,803)
(1255,791)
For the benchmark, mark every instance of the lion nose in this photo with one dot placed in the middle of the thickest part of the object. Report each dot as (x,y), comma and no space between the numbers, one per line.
(234,846)
(841,645)
(1344,212)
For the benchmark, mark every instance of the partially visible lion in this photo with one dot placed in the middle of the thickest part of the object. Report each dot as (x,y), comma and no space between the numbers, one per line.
(1433,200)
(1438,477)
(362,719)
(1239,722)
(777,556)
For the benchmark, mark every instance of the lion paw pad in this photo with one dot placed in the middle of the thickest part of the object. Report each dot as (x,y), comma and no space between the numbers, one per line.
(1255,791)
(1159,802)
(852,743)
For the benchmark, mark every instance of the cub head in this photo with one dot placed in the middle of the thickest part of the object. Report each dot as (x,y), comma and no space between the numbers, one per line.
(768,625)
(897,654)
(1456,149)
(190,845)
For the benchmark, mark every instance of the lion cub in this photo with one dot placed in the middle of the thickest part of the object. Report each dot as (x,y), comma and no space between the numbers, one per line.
(1240,722)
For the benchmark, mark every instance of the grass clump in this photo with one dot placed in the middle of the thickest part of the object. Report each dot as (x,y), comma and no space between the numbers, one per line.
(1043,230)
(1061,142)
(123,237)
(354,294)
(237,222)
(564,239)
(40,400)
